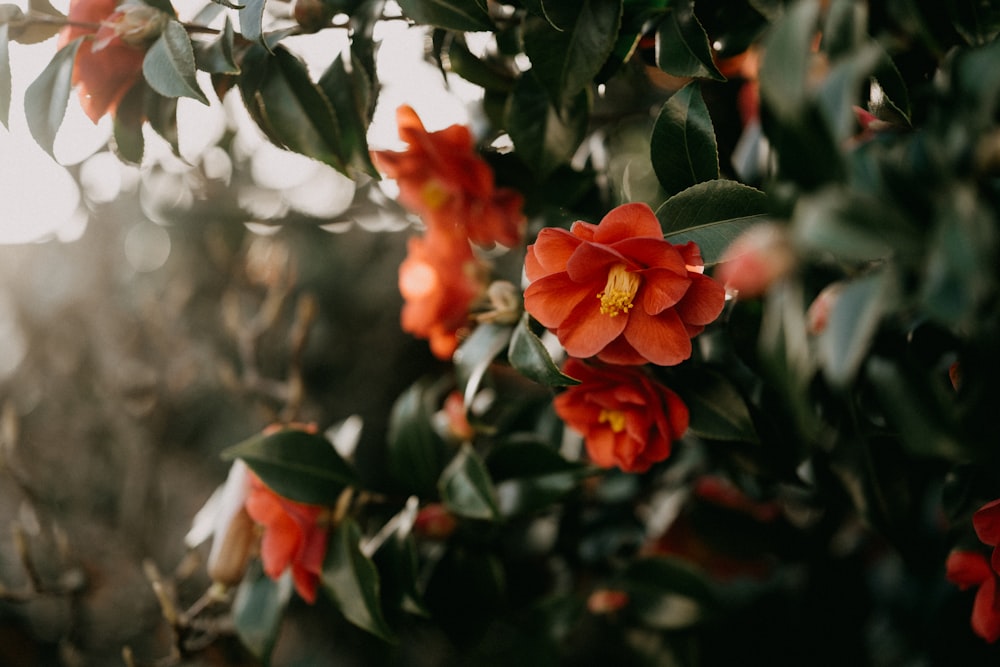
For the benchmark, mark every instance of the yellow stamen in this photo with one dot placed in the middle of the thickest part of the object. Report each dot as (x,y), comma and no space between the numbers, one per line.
(616,418)
(618,291)
(434,194)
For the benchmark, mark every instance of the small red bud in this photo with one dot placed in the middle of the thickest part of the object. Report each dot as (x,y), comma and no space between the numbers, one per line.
(435,522)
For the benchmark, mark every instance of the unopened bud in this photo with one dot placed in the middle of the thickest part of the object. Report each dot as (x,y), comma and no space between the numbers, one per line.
(505,303)
(606,601)
(435,522)
(227,564)
(312,15)
(137,25)
(818,314)
(756,259)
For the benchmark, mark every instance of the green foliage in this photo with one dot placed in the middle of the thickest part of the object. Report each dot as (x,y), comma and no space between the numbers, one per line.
(466,488)
(682,146)
(258,609)
(46,98)
(352,581)
(169,64)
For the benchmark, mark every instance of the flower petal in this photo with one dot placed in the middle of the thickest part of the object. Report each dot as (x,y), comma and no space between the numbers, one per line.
(986,611)
(703,302)
(662,289)
(586,331)
(986,521)
(592,261)
(662,339)
(550,252)
(551,299)
(627,221)
(967,568)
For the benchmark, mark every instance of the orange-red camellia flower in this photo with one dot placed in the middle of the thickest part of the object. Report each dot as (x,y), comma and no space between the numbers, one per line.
(627,419)
(619,290)
(444,180)
(972,568)
(109,62)
(295,536)
(439,280)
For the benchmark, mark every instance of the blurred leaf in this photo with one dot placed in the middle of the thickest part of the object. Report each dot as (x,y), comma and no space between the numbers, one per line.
(844,27)
(466,488)
(566,60)
(162,116)
(888,98)
(474,356)
(46,98)
(25,30)
(786,60)
(352,581)
(417,454)
(546,137)
(854,320)
(841,89)
(682,47)
(718,411)
(461,15)
(300,466)
(465,592)
(258,608)
(5,80)
(350,94)
(978,22)
(291,110)
(216,56)
(529,357)
(127,140)
(251,19)
(482,73)
(538,8)
(667,593)
(398,567)
(682,146)
(169,67)
(531,476)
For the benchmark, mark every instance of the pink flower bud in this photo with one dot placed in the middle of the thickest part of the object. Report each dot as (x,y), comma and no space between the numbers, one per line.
(756,259)
(435,522)
(606,601)
(818,314)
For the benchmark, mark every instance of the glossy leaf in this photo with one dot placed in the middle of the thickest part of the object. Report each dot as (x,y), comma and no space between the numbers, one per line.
(417,454)
(473,357)
(668,593)
(466,488)
(169,67)
(258,607)
(398,565)
(854,320)
(46,98)
(5,78)
(291,110)
(529,357)
(252,20)
(487,75)
(350,93)
(216,56)
(566,60)
(300,466)
(461,15)
(682,146)
(682,47)
(351,581)
(545,136)
(718,411)
(538,8)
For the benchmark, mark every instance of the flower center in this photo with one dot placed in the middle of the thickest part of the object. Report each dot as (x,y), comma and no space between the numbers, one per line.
(614,418)
(619,291)
(434,194)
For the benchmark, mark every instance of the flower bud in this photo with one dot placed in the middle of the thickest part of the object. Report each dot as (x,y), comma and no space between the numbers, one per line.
(606,601)
(756,259)
(137,25)
(228,562)
(435,522)
(312,15)
(818,314)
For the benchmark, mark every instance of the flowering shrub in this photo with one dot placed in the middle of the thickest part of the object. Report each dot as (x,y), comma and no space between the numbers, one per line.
(677,347)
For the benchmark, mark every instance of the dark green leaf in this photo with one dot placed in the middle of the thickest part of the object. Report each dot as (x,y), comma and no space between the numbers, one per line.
(682,47)
(840,91)
(169,67)
(718,411)
(127,140)
(786,60)
(461,15)
(161,112)
(466,488)
(487,75)
(300,466)
(474,356)
(566,60)
(668,593)
(417,454)
(399,572)
(216,56)
(529,357)
(682,146)
(544,136)
(5,80)
(352,581)
(844,28)
(258,608)
(854,320)
(531,476)
(46,98)
(252,20)
(291,110)
(350,94)
(708,203)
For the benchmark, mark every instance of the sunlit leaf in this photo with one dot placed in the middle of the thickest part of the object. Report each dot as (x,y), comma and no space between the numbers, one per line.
(216,56)
(529,357)
(169,66)
(46,98)
(682,47)
(251,20)
(350,94)
(300,466)
(682,146)
(258,607)
(161,112)
(462,15)
(473,357)
(466,488)
(351,581)
(545,136)
(127,140)
(480,72)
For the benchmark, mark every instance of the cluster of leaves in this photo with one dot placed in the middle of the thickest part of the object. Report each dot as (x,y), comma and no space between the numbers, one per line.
(865,434)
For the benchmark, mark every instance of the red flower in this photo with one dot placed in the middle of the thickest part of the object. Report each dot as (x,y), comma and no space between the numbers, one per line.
(618,290)
(627,419)
(294,537)
(986,521)
(109,62)
(439,280)
(444,180)
(970,568)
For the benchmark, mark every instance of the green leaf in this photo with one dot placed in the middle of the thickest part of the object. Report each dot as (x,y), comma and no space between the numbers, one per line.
(839,92)
(786,60)
(352,581)
(854,321)
(567,59)
(529,357)
(417,454)
(460,15)
(252,20)
(161,112)
(667,593)
(844,28)
(5,79)
(350,94)
(473,357)
(216,56)
(466,488)
(710,202)
(682,145)
(169,67)
(46,98)
(487,75)
(682,47)
(718,411)
(127,140)
(25,30)
(531,476)
(300,466)
(291,110)
(258,607)
(538,8)
(398,565)
(544,136)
